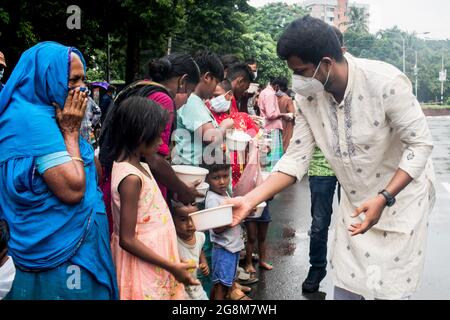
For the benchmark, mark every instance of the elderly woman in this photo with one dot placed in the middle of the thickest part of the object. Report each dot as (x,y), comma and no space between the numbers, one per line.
(364,117)
(50,198)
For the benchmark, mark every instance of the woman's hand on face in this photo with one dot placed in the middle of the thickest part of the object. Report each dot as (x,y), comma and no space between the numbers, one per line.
(372,209)
(241,209)
(69,119)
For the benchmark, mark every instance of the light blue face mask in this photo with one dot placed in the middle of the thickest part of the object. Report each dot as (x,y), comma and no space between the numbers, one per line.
(220,104)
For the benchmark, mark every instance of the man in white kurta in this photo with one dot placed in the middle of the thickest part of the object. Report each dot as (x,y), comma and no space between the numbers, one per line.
(378,128)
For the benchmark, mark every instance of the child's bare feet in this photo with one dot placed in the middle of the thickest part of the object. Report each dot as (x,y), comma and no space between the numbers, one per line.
(250,269)
(265,266)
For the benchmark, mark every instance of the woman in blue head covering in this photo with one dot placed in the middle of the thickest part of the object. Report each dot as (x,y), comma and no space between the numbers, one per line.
(50,198)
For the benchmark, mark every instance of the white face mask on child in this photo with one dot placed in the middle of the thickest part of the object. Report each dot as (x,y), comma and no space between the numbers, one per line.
(7,275)
(220,104)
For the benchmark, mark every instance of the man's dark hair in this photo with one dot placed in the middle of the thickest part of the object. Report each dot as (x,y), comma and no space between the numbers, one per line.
(281,82)
(309,39)
(228,60)
(339,35)
(4,234)
(209,62)
(240,69)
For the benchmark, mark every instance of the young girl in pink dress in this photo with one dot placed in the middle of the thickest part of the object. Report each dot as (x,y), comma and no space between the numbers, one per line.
(144,240)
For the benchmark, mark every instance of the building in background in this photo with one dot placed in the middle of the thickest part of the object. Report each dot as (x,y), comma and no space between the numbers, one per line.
(333,12)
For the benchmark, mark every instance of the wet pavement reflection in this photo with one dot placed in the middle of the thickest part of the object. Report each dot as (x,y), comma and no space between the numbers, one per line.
(288,240)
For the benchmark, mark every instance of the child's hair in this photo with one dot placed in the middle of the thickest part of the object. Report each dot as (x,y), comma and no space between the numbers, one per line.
(209,62)
(137,120)
(220,163)
(4,234)
(177,206)
(226,85)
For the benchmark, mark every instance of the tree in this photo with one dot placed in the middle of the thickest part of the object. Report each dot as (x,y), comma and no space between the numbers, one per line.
(132,24)
(387,46)
(263,48)
(217,25)
(273,18)
(358,20)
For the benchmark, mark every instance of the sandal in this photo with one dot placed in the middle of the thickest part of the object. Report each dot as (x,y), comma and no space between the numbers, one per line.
(252,280)
(242,275)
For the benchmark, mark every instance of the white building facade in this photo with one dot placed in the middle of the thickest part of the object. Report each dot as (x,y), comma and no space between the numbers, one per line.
(333,12)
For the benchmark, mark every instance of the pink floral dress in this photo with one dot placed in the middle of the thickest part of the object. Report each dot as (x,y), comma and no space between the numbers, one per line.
(137,279)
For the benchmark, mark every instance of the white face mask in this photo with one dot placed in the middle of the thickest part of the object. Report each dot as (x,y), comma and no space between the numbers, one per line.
(7,275)
(255,75)
(220,104)
(307,87)
(279,93)
(1,73)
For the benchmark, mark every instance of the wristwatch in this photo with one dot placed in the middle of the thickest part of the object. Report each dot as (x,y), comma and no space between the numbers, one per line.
(390,200)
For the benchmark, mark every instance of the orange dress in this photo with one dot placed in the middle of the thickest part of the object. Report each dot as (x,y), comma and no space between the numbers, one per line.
(137,279)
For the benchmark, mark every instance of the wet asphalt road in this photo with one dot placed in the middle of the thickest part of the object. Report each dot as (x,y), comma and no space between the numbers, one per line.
(289,242)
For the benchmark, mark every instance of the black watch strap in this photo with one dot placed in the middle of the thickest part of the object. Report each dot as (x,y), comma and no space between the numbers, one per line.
(390,200)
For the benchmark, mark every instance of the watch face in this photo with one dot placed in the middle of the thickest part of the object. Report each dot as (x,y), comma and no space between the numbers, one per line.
(391,202)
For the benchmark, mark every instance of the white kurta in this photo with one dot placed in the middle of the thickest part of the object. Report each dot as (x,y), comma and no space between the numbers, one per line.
(378,128)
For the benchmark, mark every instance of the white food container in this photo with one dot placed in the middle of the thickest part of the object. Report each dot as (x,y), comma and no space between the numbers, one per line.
(259,211)
(213,218)
(190,174)
(237,140)
(203,189)
(253,88)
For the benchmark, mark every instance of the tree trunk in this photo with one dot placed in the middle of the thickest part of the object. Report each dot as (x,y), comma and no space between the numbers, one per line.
(133,51)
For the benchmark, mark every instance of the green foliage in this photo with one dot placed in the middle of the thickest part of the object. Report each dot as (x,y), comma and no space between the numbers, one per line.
(262,47)
(387,46)
(216,25)
(358,20)
(139,31)
(273,18)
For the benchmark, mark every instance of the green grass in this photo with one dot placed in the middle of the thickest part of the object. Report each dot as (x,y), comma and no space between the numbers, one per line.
(435,106)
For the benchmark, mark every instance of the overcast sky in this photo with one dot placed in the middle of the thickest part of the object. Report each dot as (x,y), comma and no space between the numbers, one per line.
(410,15)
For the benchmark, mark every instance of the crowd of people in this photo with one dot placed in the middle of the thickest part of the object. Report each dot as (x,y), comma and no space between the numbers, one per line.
(75,225)
(113,198)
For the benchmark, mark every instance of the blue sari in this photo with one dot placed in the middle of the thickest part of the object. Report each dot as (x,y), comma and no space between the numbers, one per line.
(46,234)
